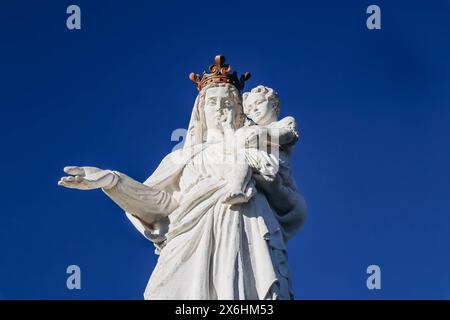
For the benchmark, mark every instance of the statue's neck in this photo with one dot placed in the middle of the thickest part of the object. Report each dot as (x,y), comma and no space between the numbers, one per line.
(214,135)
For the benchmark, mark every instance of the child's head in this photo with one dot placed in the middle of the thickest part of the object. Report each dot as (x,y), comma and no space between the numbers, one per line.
(261,105)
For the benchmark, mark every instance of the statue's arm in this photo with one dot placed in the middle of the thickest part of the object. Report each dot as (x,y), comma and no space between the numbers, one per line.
(280,197)
(285,131)
(280,133)
(146,203)
(287,202)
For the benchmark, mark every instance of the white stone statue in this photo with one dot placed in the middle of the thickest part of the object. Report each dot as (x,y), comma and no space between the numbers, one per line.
(219,216)
(262,108)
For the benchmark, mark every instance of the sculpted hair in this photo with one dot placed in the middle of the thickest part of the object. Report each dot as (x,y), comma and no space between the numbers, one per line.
(270,94)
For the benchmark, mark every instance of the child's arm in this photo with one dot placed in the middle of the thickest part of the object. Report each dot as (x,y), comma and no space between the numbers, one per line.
(284,131)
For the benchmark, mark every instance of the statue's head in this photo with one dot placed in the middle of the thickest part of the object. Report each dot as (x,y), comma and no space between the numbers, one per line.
(218,98)
(262,105)
(219,91)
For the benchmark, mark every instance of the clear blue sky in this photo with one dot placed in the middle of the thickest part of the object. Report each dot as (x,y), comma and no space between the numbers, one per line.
(373,108)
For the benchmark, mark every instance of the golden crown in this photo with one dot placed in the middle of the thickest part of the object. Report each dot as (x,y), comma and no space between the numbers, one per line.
(220,73)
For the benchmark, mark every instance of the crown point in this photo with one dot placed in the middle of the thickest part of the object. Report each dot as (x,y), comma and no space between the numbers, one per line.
(219,59)
(219,73)
(245,76)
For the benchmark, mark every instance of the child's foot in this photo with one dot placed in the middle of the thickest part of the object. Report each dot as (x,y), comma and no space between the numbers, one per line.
(235,197)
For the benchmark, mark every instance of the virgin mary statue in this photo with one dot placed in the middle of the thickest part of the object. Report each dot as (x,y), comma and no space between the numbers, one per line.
(208,249)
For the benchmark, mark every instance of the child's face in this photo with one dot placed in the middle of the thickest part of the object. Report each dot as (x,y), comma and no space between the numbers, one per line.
(258,108)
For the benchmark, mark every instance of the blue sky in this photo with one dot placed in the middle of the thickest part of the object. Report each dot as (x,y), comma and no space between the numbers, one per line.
(373,108)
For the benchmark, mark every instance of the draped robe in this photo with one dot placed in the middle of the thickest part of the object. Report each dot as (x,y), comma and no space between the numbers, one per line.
(208,249)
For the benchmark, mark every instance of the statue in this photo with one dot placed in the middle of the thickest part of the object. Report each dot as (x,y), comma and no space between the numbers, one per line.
(220,209)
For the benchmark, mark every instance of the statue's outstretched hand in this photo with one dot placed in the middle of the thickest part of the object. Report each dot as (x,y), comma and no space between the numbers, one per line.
(88,178)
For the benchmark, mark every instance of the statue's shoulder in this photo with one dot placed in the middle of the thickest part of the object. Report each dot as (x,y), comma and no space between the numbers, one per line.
(172,165)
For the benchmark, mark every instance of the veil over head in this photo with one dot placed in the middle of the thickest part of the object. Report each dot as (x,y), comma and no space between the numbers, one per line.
(196,132)
(197,129)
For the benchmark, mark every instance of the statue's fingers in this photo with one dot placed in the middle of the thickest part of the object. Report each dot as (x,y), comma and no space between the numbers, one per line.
(76,182)
(64,182)
(69,179)
(73,170)
(91,170)
(71,185)
(258,177)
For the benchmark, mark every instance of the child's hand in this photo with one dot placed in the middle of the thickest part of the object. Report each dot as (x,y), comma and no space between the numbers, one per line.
(227,118)
(266,184)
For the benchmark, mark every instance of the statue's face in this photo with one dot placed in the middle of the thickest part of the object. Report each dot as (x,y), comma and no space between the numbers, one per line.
(216,100)
(258,108)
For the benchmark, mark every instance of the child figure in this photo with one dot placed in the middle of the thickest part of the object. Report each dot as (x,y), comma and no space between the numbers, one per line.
(262,143)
